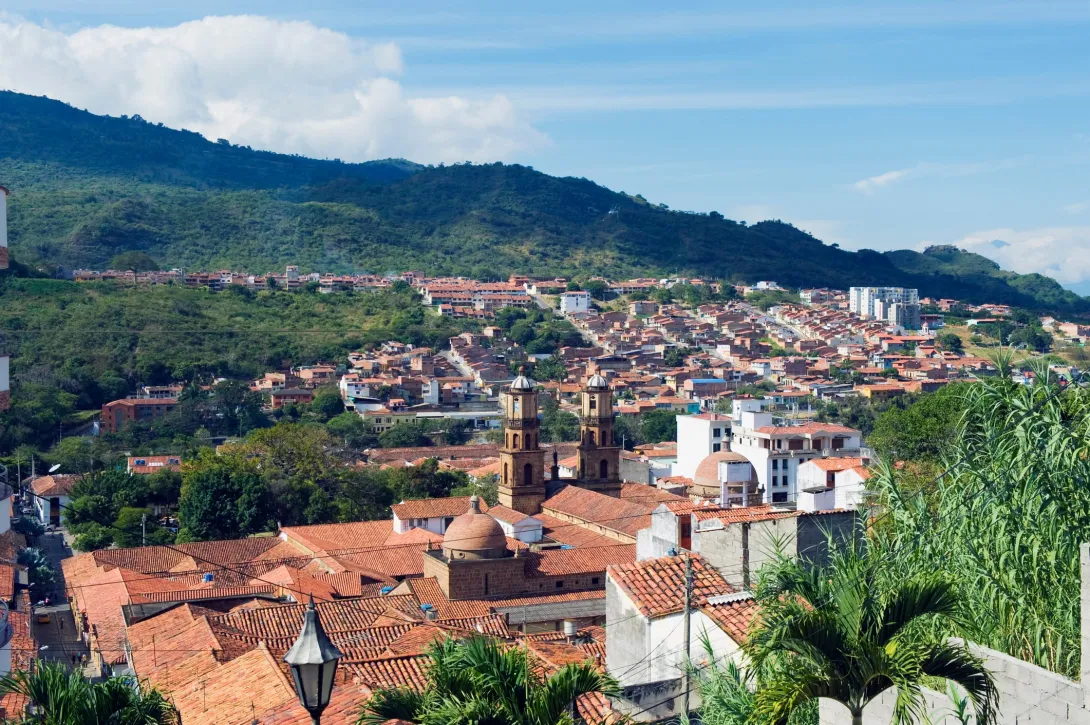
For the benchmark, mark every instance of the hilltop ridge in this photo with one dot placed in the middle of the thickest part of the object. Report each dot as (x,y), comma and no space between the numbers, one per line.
(89,187)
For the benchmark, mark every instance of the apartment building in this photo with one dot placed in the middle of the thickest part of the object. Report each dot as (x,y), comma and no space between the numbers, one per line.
(119,413)
(776,452)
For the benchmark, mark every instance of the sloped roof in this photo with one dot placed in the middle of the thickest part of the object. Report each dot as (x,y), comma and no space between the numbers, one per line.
(657,586)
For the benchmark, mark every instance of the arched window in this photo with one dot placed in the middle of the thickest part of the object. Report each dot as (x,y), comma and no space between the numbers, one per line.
(603,469)
(527,474)
(516,439)
(505,473)
(593,438)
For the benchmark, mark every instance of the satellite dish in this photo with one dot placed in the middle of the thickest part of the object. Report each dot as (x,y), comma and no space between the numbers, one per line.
(54,467)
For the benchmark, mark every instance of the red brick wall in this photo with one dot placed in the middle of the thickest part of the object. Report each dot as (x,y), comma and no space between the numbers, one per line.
(5,399)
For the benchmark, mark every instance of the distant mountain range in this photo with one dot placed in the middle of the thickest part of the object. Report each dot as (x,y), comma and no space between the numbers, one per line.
(87,188)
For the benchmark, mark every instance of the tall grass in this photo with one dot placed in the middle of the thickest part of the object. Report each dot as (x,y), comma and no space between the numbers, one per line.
(1008,518)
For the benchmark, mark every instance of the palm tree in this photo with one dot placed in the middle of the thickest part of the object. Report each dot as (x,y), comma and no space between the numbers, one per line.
(853,628)
(60,696)
(484,682)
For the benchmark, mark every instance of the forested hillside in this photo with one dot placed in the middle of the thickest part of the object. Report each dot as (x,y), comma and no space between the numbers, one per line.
(86,188)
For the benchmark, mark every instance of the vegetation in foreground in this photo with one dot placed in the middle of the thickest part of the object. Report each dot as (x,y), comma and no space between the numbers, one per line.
(478,680)
(61,696)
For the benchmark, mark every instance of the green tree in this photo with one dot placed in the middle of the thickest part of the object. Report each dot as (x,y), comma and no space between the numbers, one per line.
(425,481)
(457,432)
(223,497)
(479,680)
(134,262)
(327,403)
(551,368)
(1032,337)
(920,426)
(130,528)
(597,288)
(404,435)
(62,696)
(659,425)
(557,425)
(365,495)
(854,628)
(350,428)
(39,569)
(951,342)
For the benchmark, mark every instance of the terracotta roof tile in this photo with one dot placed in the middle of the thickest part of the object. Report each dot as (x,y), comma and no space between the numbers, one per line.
(611,513)
(657,586)
(427,508)
(734,617)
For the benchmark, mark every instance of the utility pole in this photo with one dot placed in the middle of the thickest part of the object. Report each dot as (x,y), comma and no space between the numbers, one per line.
(144,534)
(685,625)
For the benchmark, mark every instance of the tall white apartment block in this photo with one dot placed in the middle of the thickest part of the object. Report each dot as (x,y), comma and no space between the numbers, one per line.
(699,436)
(574,303)
(896,305)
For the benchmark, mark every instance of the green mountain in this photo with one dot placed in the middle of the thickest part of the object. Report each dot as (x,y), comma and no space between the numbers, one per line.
(86,188)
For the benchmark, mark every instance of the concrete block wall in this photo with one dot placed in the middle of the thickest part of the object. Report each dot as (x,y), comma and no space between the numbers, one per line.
(1028,694)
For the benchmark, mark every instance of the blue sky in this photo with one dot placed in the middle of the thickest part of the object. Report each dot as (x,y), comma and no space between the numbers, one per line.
(873,125)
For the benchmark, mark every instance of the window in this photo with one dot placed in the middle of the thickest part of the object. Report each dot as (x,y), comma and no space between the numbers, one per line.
(775,480)
(717,432)
(594,580)
(775,464)
(780,497)
(593,403)
(716,447)
(560,585)
(603,469)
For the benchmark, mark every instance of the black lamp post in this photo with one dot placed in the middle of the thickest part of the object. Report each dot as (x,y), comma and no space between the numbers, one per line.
(313,661)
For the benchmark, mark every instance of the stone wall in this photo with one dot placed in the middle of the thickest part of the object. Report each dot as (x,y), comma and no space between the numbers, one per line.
(1028,694)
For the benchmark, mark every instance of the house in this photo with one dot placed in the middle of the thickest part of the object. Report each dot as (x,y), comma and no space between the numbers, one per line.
(574,303)
(776,452)
(51,494)
(430,514)
(119,413)
(832,483)
(144,465)
(290,396)
(645,640)
(698,436)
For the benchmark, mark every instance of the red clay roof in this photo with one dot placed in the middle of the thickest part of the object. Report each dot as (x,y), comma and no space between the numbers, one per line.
(429,508)
(657,586)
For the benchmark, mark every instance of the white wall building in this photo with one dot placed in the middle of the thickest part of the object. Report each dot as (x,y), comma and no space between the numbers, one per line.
(644,636)
(777,452)
(698,436)
(573,303)
(430,514)
(517,525)
(877,303)
(832,483)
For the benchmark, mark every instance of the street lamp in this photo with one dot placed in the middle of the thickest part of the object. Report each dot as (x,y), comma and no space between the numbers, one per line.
(313,661)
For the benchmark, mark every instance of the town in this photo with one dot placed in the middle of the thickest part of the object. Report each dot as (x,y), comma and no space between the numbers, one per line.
(612,488)
(501,364)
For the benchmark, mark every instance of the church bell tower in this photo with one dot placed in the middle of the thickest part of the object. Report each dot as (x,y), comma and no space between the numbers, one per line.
(599,454)
(522,461)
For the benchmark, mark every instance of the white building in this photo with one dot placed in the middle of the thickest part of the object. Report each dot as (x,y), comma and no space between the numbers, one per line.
(776,452)
(832,483)
(5,381)
(877,303)
(573,303)
(698,436)
(430,514)
(517,525)
(51,494)
(644,612)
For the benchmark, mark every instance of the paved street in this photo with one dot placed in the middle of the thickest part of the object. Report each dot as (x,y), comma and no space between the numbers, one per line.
(59,638)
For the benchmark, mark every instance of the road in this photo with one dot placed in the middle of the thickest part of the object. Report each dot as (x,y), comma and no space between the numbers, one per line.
(59,639)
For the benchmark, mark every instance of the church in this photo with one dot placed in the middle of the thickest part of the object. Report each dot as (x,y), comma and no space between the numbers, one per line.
(523,485)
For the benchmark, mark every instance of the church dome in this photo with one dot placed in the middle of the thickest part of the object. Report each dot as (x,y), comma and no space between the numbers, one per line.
(707,473)
(474,535)
(597,381)
(522,383)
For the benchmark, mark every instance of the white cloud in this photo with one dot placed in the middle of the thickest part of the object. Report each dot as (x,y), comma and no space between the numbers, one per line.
(279,85)
(1062,253)
(874,183)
